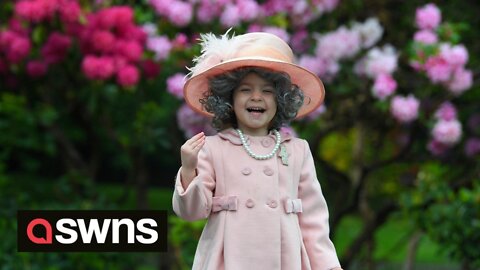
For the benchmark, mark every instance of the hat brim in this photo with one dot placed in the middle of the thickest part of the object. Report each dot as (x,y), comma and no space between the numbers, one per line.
(309,83)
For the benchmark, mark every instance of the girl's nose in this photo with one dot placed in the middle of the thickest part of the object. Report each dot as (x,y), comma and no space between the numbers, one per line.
(256,95)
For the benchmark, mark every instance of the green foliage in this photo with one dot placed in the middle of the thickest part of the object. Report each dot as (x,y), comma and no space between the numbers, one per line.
(184,236)
(449,216)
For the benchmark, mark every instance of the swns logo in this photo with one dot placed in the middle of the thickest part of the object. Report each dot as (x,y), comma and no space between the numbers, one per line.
(96,231)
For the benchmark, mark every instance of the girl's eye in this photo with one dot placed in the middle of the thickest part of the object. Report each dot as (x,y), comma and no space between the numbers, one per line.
(244,89)
(269,91)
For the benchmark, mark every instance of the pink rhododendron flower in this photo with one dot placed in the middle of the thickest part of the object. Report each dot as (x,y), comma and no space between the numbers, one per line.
(248,9)
(437,148)
(56,47)
(207,12)
(378,61)
(438,70)
(160,45)
(98,67)
(343,43)
(69,11)
(180,13)
(455,56)
(384,86)
(405,109)
(370,32)
(426,37)
(36,68)
(299,41)
(313,64)
(103,41)
(462,80)
(128,76)
(180,41)
(447,132)
(175,85)
(446,112)
(428,17)
(230,16)
(131,50)
(192,123)
(472,147)
(18,49)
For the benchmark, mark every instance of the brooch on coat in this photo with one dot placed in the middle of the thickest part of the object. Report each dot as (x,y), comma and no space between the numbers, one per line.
(283,154)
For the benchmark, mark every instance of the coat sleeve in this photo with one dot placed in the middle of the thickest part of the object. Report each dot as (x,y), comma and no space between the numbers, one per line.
(314,218)
(195,201)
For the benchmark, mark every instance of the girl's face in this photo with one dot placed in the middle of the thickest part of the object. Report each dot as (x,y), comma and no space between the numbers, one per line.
(254,105)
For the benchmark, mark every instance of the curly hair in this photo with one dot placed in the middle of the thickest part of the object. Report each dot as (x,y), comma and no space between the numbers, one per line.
(218,100)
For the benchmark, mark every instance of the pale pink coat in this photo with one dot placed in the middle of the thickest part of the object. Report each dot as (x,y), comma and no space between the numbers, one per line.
(254,219)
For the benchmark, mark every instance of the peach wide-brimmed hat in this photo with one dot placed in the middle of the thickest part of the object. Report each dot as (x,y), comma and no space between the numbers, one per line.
(265,50)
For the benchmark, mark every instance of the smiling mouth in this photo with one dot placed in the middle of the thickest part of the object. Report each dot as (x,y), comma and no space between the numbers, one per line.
(256,110)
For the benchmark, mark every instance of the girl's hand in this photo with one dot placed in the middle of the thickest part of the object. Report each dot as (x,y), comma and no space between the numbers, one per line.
(189,154)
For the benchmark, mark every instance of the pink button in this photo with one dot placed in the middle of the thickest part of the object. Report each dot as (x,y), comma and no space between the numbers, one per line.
(250,203)
(266,142)
(268,171)
(246,171)
(273,204)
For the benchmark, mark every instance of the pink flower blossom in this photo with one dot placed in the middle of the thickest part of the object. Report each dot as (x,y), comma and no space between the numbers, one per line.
(438,70)
(175,85)
(299,41)
(472,147)
(32,11)
(192,123)
(98,68)
(248,10)
(131,32)
(342,43)
(18,49)
(128,76)
(313,64)
(428,17)
(56,47)
(446,112)
(405,109)
(160,45)
(370,32)
(462,80)
(180,41)
(230,16)
(447,132)
(437,148)
(131,50)
(150,29)
(123,15)
(103,41)
(69,11)
(426,37)
(36,68)
(378,61)
(384,86)
(455,56)
(180,13)
(207,12)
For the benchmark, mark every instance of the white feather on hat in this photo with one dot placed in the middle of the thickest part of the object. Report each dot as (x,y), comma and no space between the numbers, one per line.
(215,50)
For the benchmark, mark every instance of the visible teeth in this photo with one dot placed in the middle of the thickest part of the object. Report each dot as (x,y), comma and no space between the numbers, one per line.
(255,109)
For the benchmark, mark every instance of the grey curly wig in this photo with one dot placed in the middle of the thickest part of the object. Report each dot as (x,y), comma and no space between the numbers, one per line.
(218,100)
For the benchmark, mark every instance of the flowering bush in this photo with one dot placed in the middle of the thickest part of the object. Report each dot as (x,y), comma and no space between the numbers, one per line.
(95,87)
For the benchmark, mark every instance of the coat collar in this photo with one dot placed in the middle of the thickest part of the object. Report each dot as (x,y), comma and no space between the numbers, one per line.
(231,135)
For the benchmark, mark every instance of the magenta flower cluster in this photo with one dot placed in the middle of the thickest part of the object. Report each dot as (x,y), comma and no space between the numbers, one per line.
(447,65)
(113,46)
(233,12)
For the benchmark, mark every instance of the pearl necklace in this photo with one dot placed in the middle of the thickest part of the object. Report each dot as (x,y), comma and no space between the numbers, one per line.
(260,157)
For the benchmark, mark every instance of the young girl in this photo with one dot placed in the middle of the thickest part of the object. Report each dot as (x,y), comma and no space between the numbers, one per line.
(256,185)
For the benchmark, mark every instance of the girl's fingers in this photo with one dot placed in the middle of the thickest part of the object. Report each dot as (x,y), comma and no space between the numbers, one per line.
(195,138)
(197,142)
